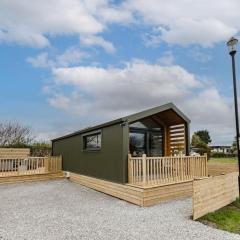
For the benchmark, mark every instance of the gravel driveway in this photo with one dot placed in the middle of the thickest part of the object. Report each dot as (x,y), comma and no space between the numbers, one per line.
(63,210)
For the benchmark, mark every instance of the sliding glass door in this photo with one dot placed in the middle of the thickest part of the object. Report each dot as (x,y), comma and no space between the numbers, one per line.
(146,141)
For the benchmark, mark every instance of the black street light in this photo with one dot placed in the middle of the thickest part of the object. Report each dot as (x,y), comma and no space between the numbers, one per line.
(232,46)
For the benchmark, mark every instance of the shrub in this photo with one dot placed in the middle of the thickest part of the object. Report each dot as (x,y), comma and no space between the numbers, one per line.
(222,155)
(41,149)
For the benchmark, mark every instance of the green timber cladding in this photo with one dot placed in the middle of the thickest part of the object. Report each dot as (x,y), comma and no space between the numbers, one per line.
(106,163)
(109,162)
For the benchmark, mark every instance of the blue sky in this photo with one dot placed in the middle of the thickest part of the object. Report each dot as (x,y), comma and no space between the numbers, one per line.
(71,64)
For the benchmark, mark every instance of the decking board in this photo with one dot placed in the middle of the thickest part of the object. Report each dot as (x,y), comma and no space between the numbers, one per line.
(136,194)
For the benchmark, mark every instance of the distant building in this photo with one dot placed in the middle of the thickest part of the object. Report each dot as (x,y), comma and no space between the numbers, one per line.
(221,149)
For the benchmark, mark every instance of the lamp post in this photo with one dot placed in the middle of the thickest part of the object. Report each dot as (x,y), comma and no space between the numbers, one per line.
(232,47)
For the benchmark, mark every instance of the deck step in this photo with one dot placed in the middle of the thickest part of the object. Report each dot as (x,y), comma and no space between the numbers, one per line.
(30,178)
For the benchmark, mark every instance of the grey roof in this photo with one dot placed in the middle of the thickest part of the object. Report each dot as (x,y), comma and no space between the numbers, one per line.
(131,118)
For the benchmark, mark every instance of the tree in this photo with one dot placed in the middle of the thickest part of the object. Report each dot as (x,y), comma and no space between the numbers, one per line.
(199,145)
(15,135)
(196,140)
(204,136)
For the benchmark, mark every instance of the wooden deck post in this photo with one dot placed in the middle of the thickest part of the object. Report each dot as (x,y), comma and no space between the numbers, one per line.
(130,169)
(18,166)
(206,164)
(46,164)
(144,159)
(181,166)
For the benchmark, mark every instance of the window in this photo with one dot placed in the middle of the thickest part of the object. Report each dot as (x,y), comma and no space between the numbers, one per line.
(92,142)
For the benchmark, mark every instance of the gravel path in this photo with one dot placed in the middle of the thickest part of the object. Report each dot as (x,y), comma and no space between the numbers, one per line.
(64,210)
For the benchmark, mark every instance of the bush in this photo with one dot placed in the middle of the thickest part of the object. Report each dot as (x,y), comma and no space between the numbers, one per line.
(41,149)
(222,155)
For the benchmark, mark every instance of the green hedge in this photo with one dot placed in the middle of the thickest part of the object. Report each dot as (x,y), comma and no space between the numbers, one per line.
(222,155)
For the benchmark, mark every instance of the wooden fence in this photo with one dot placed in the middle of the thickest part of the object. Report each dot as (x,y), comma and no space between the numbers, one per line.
(157,170)
(14,152)
(29,166)
(214,193)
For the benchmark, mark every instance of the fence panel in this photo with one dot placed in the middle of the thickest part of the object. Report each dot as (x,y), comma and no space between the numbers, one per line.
(29,166)
(213,193)
(14,152)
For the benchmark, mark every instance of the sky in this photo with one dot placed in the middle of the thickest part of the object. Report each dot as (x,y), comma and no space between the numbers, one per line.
(70,64)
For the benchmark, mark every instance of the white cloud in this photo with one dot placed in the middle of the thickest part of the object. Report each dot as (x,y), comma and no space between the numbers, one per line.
(41,61)
(128,85)
(31,23)
(71,56)
(23,37)
(105,93)
(176,22)
(97,41)
(184,22)
(109,12)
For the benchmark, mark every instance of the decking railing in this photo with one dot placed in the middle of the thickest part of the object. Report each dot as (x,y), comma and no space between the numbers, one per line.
(29,166)
(159,170)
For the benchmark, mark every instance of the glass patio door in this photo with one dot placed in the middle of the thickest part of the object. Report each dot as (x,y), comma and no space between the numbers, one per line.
(145,142)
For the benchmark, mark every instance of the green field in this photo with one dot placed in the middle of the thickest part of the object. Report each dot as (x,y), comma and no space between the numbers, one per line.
(223,160)
(226,218)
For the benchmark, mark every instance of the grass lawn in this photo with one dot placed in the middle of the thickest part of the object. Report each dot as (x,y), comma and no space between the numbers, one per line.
(226,218)
(223,160)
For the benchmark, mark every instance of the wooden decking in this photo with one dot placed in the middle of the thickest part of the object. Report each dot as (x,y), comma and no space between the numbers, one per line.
(155,195)
(139,195)
(31,178)
(152,179)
